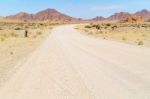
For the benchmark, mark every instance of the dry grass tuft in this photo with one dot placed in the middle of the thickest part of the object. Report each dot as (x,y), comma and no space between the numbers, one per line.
(140,43)
(123,32)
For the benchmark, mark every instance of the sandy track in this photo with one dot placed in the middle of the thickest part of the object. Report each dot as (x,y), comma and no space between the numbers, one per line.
(70,65)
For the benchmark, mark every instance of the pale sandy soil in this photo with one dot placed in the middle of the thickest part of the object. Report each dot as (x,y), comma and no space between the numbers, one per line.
(127,34)
(70,65)
(14,49)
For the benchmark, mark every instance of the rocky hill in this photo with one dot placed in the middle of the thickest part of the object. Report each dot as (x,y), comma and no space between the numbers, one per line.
(119,16)
(145,14)
(48,14)
(134,19)
(98,18)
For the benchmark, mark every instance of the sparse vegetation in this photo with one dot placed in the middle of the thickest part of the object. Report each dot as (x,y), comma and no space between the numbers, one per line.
(15,44)
(21,29)
(97,27)
(39,33)
(13,34)
(127,32)
(2,39)
(124,38)
(140,43)
(87,26)
(18,28)
(11,53)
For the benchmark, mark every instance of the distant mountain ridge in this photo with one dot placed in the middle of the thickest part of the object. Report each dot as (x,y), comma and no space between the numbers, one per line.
(144,13)
(123,15)
(21,16)
(48,14)
(52,14)
(98,18)
(119,16)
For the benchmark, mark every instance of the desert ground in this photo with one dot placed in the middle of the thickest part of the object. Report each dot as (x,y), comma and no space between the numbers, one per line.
(68,64)
(131,33)
(14,46)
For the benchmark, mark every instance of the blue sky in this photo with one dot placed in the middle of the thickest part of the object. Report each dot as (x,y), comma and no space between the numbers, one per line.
(76,8)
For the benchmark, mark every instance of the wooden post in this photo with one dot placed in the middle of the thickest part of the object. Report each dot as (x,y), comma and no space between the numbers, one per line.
(26,33)
(97,27)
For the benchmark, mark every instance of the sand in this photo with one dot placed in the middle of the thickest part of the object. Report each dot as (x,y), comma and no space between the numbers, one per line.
(14,49)
(70,65)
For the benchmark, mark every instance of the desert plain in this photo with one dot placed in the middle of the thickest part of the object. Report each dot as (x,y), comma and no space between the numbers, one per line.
(61,57)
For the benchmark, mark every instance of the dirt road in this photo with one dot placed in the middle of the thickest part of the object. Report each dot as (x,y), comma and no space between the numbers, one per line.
(70,65)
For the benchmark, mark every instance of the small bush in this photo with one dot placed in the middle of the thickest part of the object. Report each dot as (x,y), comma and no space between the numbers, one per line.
(124,38)
(26,27)
(2,39)
(140,43)
(5,35)
(86,30)
(144,26)
(13,35)
(90,33)
(34,36)
(94,25)
(18,28)
(108,24)
(76,28)
(114,27)
(88,26)
(98,27)
(138,26)
(11,53)
(105,27)
(41,24)
(39,33)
